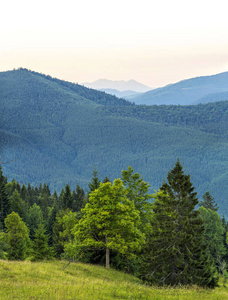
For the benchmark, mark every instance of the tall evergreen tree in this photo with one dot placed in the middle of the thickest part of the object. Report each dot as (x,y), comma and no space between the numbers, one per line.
(208,202)
(33,218)
(51,221)
(79,198)
(177,251)
(94,183)
(41,249)
(4,199)
(67,198)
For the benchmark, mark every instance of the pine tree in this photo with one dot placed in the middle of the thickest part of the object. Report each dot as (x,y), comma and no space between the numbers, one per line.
(79,198)
(4,199)
(41,249)
(94,183)
(33,218)
(208,202)
(51,221)
(177,251)
(67,198)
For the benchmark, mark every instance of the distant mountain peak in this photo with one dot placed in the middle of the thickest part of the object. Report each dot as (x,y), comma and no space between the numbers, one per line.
(119,85)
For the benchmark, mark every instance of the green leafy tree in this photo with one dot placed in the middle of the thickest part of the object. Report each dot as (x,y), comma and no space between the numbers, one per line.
(110,221)
(17,237)
(176,250)
(137,191)
(208,202)
(214,232)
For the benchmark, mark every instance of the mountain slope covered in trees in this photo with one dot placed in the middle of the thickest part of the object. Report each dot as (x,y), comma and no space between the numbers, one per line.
(187,92)
(59,131)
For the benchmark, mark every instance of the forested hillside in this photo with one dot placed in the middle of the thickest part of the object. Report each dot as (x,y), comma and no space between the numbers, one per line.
(187,92)
(59,131)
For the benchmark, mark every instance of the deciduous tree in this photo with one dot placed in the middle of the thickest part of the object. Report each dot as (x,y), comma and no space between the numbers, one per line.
(110,221)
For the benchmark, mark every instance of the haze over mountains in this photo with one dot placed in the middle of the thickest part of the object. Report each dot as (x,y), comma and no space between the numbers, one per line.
(187,92)
(120,85)
(192,91)
(60,131)
(119,88)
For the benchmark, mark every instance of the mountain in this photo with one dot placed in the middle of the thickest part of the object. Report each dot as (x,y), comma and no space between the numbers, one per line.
(59,131)
(191,91)
(120,85)
(124,94)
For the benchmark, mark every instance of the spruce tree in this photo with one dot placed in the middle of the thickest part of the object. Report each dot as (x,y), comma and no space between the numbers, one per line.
(94,183)
(41,249)
(67,198)
(177,253)
(4,199)
(208,202)
(79,198)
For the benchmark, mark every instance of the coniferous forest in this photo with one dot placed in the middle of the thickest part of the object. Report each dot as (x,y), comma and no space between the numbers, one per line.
(164,238)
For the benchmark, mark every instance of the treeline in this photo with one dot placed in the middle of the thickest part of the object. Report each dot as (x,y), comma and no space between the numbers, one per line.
(210,117)
(165,238)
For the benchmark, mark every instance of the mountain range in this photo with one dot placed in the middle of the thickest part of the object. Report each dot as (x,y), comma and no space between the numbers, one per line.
(197,90)
(119,85)
(58,132)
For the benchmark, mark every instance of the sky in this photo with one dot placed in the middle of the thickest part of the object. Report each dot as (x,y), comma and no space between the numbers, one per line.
(153,42)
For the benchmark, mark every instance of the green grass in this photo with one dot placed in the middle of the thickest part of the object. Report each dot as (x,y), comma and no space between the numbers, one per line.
(49,280)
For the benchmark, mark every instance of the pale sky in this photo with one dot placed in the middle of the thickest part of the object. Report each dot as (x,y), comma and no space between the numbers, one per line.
(154,42)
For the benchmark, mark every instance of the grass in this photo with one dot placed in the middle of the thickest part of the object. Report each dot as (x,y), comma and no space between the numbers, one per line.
(49,280)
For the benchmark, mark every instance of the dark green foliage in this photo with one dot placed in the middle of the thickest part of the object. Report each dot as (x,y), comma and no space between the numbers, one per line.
(4,199)
(57,240)
(208,202)
(176,249)
(17,205)
(67,198)
(79,198)
(34,217)
(94,183)
(41,249)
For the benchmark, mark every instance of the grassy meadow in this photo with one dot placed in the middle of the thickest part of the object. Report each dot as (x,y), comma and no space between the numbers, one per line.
(49,280)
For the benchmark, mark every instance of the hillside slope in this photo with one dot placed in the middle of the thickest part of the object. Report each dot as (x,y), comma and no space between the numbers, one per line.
(187,92)
(49,280)
(59,136)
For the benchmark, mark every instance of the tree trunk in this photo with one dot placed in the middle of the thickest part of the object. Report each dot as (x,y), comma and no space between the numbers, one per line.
(107,254)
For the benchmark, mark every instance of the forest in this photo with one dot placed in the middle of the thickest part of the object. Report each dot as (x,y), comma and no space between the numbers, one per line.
(57,132)
(168,238)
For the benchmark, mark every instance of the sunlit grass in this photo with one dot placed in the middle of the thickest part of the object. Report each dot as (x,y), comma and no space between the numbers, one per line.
(49,280)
